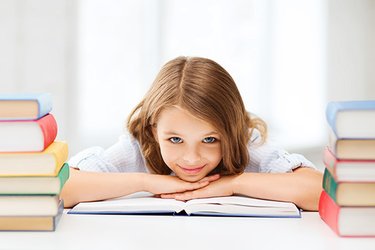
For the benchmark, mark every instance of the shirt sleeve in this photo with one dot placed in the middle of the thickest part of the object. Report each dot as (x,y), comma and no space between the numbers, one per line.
(123,156)
(267,158)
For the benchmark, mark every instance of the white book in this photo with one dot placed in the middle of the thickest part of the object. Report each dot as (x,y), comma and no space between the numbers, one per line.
(29,205)
(144,203)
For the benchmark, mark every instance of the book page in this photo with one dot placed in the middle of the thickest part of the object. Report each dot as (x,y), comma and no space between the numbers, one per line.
(240,200)
(241,206)
(135,203)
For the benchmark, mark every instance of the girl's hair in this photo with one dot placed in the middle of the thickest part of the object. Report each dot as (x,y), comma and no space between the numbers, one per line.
(206,90)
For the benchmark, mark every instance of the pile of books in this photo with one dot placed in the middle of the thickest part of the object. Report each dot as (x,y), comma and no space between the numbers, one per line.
(347,203)
(32,164)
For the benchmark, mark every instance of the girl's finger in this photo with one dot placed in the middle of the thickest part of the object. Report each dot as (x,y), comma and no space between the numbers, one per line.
(167,196)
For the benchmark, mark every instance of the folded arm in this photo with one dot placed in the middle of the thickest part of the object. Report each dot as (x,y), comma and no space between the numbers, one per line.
(302,187)
(93,186)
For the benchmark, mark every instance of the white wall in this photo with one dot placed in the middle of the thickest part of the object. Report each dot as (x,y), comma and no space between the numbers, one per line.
(38,52)
(37,49)
(350,55)
(351,50)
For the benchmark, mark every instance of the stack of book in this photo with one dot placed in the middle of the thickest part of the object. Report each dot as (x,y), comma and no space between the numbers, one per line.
(347,203)
(32,164)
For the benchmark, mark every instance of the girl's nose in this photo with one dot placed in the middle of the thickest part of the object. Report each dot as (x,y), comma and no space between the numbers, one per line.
(192,156)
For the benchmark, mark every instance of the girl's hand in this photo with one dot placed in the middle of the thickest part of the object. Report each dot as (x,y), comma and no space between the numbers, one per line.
(161,184)
(219,187)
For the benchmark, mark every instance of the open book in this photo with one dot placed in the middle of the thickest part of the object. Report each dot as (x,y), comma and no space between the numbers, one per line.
(144,203)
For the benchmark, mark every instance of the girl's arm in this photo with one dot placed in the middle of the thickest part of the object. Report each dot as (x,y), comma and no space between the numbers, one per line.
(92,186)
(302,187)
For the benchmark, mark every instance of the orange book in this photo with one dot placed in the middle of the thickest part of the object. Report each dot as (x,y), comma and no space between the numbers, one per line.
(28,135)
(45,163)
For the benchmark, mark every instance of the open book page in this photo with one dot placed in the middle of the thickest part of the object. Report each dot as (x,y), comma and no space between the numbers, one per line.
(132,204)
(241,206)
(145,203)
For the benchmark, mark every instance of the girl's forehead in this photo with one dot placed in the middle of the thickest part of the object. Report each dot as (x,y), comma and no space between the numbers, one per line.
(176,116)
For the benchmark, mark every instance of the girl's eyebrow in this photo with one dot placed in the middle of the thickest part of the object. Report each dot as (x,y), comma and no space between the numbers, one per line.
(175,133)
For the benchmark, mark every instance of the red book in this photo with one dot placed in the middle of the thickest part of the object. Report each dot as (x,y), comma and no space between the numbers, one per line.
(346,170)
(347,221)
(27,135)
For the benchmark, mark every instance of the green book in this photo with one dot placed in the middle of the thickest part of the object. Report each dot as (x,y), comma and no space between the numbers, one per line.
(34,185)
(359,194)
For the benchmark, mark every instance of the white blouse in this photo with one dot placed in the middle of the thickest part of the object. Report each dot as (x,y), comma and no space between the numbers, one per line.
(126,156)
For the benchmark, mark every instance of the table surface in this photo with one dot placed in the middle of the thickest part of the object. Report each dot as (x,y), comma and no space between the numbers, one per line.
(184,232)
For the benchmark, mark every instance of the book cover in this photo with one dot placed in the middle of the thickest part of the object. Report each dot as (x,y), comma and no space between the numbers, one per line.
(347,221)
(144,204)
(349,170)
(32,223)
(24,106)
(45,163)
(27,136)
(352,119)
(26,185)
(29,205)
(349,193)
(354,149)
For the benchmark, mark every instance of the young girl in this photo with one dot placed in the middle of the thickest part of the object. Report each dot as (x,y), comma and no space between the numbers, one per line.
(191,137)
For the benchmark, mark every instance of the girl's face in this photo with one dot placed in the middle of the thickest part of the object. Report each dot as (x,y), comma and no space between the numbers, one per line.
(190,147)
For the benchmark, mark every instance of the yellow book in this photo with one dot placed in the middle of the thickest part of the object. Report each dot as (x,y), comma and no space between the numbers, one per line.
(45,163)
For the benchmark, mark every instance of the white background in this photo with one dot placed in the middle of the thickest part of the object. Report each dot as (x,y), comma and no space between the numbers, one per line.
(97,58)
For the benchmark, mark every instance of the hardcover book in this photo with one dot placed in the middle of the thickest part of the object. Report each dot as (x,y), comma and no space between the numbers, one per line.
(45,163)
(144,204)
(352,119)
(347,221)
(24,106)
(354,149)
(37,185)
(349,193)
(344,170)
(27,136)
(29,205)
(31,223)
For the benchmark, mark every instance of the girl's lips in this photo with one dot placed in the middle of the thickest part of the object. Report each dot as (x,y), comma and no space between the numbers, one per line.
(192,170)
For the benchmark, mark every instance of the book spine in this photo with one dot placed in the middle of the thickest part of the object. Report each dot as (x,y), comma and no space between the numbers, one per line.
(60,154)
(331,114)
(44,104)
(330,185)
(57,217)
(330,161)
(48,126)
(63,175)
(329,212)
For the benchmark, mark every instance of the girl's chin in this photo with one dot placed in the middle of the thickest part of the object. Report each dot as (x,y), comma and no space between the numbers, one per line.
(190,178)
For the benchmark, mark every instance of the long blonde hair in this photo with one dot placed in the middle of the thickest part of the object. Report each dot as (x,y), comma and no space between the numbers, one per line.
(206,90)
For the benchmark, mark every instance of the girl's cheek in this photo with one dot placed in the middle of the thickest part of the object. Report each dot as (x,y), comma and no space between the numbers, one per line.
(169,153)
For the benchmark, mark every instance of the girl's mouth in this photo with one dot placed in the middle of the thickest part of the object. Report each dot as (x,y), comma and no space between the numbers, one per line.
(192,170)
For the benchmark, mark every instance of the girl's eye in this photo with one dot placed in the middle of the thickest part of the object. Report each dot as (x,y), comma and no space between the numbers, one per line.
(175,140)
(209,140)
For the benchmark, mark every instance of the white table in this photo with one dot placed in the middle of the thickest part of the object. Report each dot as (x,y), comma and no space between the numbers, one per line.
(183,232)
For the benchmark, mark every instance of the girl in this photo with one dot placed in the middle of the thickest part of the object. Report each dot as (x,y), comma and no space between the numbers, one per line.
(191,137)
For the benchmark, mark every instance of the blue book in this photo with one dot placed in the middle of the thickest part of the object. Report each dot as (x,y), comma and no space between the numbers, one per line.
(24,106)
(352,119)
(230,206)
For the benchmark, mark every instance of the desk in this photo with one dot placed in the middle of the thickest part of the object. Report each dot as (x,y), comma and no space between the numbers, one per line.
(183,232)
